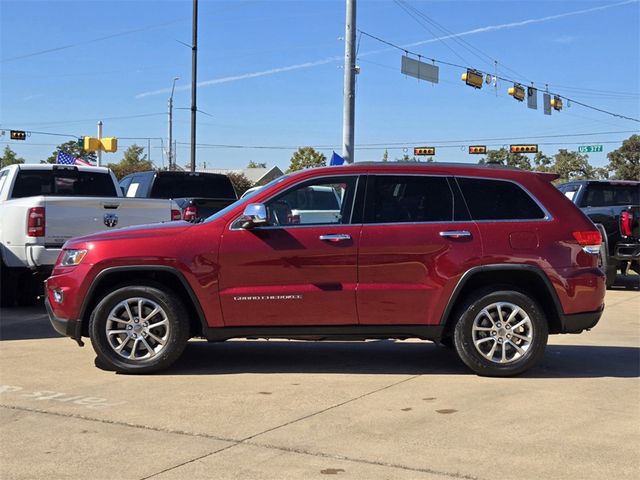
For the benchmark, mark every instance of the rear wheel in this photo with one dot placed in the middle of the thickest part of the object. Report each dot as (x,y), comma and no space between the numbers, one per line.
(139,329)
(604,264)
(500,333)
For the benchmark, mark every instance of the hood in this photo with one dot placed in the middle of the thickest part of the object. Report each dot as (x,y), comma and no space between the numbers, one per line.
(154,230)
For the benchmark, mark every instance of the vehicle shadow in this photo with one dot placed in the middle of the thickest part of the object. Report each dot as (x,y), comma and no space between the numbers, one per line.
(25,323)
(389,357)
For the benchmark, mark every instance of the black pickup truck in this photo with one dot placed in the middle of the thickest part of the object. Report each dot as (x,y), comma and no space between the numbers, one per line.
(198,194)
(614,206)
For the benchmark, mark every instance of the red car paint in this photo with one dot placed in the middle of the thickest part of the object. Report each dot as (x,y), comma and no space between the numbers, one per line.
(384,275)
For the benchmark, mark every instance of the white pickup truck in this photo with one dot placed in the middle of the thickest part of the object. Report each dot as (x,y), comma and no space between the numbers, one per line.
(42,206)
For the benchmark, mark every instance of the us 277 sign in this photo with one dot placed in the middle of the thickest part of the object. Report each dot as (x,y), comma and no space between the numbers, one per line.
(589,148)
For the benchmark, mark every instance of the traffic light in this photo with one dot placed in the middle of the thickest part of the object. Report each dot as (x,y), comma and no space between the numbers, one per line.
(109,144)
(478,149)
(517,92)
(556,103)
(18,135)
(524,148)
(91,144)
(473,78)
(424,151)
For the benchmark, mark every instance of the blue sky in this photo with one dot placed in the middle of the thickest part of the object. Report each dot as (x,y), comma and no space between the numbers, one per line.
(271,75)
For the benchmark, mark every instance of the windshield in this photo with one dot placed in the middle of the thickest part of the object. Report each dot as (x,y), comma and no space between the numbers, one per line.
(68,182)
(244,200)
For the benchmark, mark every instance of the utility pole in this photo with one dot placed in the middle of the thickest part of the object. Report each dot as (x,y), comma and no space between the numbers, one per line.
(99,152)
(349,105)
(194,62)
(171,121)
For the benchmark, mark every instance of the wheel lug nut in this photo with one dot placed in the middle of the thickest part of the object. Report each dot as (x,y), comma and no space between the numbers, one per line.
(508,327)
(499,340)
(129,327)
(145,324)
(136,320)
(494,333)
(498,325)
(135,336)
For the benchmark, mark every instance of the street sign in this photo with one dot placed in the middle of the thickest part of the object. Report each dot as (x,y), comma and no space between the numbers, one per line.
(589,148)
(420,70)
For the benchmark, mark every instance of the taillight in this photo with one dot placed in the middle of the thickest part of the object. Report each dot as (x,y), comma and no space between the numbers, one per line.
(589,240)
(35,222)
(190,213)
(626,222)
(175,214)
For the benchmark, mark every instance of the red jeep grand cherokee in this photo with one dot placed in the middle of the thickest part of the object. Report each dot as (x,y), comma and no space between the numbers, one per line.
(489,260)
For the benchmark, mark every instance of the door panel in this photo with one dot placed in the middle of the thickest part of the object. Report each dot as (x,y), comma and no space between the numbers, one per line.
(407,272)
(289,276)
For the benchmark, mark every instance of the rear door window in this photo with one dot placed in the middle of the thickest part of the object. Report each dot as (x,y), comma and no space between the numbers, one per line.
(498,200)
(410,198)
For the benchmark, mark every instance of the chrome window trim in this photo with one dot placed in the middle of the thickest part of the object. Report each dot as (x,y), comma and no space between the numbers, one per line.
(274,227)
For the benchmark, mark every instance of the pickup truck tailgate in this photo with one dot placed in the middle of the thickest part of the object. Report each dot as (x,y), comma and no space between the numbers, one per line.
(66,218)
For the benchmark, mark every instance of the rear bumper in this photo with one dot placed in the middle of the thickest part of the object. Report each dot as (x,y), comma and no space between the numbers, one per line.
(66,327)
(578,322)
(627,251)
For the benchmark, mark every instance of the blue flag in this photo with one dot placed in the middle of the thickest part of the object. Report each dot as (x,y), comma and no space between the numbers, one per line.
(336,159)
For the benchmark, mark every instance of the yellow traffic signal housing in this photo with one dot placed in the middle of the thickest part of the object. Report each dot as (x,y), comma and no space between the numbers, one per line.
(473,78)
(424,151)
(556,103)
(91,144)
(109,144)
(517,92)
(524,148)
(478,149)
(18,135)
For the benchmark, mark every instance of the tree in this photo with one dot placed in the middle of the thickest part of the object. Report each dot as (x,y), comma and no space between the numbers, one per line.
(306,157)
(575,166)
(240,181)
(133,161)
(506,158)
(253,164)
(385,155)
(625,161)
(406,158)
(74,149)
(543,163)
(9,157)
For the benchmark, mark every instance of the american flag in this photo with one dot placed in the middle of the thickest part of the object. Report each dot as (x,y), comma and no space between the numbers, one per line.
(66,159)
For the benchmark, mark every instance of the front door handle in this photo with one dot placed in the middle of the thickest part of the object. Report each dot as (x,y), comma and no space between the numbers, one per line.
(455,233)
(338,237)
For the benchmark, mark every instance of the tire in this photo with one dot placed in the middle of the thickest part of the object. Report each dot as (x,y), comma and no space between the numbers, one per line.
(141,344)
(500,354)
(604,264)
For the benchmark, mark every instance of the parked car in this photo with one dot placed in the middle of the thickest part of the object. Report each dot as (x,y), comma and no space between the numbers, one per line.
(614,206)
(489,259)
(43,206)
(197,194)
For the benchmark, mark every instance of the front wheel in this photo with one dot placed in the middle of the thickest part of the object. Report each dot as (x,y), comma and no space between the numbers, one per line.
(139,329)
(500,333)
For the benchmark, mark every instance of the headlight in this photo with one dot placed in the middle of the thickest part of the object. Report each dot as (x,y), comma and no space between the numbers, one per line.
(72,257)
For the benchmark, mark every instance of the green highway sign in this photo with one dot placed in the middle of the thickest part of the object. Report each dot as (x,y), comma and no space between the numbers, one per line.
(589,148)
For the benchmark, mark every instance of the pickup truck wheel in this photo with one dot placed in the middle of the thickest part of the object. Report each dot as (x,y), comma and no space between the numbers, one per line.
(500,333)
(139,329)
(8,286)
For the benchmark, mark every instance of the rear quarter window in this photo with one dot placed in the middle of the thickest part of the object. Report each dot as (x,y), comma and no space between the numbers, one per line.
(498,200)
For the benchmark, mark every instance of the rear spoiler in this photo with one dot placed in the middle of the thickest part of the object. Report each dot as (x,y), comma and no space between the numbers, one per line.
(548,176)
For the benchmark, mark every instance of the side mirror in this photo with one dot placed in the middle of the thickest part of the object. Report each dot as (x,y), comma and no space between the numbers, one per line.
(254,215)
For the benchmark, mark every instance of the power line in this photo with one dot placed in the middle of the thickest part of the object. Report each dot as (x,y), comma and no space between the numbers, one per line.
(505,79)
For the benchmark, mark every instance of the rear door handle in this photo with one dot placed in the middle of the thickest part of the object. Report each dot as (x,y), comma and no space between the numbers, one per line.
(455,233)
(337,237)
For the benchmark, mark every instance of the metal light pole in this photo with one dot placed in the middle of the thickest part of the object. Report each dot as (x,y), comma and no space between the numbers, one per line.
(171,121)
(99,152)
(349,105)
(194,61)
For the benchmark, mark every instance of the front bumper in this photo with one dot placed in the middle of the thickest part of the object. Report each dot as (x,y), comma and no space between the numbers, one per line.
(66,327)
(577,322)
